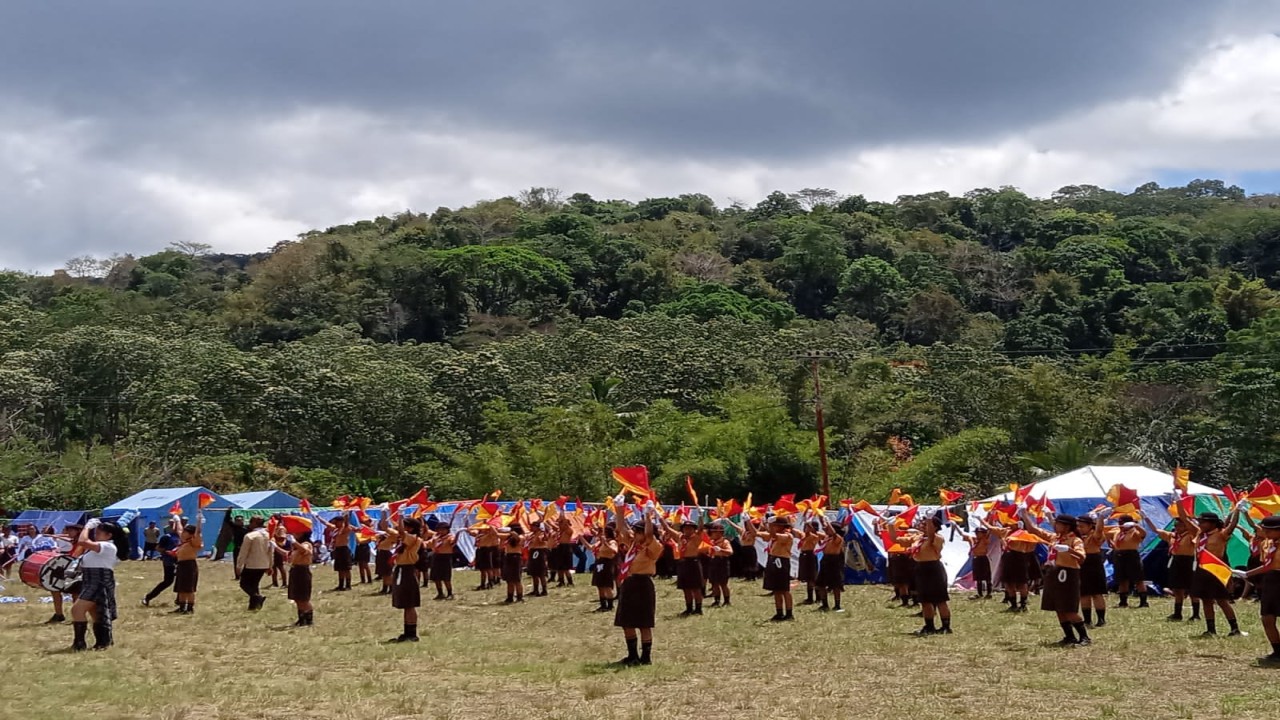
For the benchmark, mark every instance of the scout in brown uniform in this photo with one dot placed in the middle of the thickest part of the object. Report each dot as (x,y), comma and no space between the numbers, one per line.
(689,578)
(563,555)
(280,541)
(637,599)
(442,547)
(539,547)
(300,555)
(747,533)
(1062,583)
(513,548)
(405,593)
(831,568)
(1212,535)
(720,551)
(604,572)
(1015,567)
(363,554)
(777,571)
(1182,563)
(1125,540)
(340,549)
(931,577)
(807,564)
(488,555)
(1093,573)
(979,546)
(187,580)
(1267,574)
(388,539)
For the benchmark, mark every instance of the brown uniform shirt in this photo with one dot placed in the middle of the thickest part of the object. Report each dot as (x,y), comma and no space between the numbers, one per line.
(409,546)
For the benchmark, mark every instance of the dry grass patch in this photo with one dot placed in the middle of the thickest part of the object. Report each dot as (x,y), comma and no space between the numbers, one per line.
(549,658)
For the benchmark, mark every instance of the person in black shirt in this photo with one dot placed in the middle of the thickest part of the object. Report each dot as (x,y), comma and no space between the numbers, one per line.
(166,546)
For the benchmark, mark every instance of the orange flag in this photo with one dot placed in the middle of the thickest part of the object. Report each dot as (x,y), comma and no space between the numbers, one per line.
(865,507)
(1024,536)
(419,498)
(693,494)
(949,497)
(204,500)
(1264,499)
(294,524)
(1181,479)
(786,504)
(1214,566)
(908,516)
(305,506)
(366,533)
(176,508)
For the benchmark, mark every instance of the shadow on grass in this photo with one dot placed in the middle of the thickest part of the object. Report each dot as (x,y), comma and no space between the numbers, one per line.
(610,668)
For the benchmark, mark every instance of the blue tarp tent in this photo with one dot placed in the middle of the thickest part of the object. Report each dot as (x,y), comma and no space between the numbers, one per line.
(42,519)
(263,499)
(154,505)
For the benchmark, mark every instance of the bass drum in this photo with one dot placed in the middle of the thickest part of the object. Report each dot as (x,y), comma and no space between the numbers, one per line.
(50,570)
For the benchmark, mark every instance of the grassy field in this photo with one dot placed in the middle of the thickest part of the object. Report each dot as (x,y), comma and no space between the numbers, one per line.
(549,658)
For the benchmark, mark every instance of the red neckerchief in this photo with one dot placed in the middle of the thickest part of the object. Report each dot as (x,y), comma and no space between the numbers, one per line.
(1053,550)
(1271,553)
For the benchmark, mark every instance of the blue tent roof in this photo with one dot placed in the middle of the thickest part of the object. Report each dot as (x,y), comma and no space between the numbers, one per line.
(161,498)
(263,498)
(42,519)
(153,506)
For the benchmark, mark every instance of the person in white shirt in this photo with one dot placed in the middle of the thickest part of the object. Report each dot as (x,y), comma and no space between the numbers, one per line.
(8,550)
(253,560)
(97,597)
(26,543)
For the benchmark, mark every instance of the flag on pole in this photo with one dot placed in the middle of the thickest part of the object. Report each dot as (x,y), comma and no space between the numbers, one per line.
(1181,479)
(204,500)
(1211,564)
(635,480)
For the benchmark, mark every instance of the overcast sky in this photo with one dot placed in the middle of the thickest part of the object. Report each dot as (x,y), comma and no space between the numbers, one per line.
(126,125)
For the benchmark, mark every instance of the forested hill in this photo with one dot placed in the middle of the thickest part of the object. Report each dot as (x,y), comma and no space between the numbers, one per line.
(530,343)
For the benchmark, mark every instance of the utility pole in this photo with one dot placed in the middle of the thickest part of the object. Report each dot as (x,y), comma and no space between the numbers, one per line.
(815,358)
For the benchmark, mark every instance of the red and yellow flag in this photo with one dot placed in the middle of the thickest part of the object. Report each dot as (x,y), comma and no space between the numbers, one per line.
(1211,564)
(1026,537)
(305,506)
(866,507)
(907,517)
(693,494)
(488,510)
(366,533)
(635,480)
(1264,500)
(294,524)
(786,505)
(897,497)
(422,497)
(1123,500)
(204,500)
(949,497)
(176,508)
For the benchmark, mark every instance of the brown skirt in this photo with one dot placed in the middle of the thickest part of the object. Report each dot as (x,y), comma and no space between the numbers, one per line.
(777,574)
(1270,602)
(637,603)
(342,558)
(1093,576)
(487,558)
(1181,570)
(511,566)
(1061,590)
(1128,566)
(718,571)
(1207,587)
(300,583)
(982,569)
(561,559)
(831,572)
(187,577)
(931,582)
(750,560)
(604,572)
(689,574)
(807,570)
(382,563)
(901,569)
(1014,567)
(538,562)
(442,567)
(405,592)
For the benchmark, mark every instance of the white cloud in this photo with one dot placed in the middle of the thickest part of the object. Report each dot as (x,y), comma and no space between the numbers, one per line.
(246,184)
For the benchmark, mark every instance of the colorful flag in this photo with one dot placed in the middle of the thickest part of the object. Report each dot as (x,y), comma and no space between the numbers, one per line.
(341,502)
(1264,499)
(635,480)
(495,494)
(693,494)
(365,533)
(1181,479)
(305,506)
(908,516)
(866,507)
(949,497)
(1186,506)
(1230,492)
(1024,536)
(422,497)
(176,508)
(204,500)
(294,524)
(1123,500)
(1211,564)
(897,497)
(488,510)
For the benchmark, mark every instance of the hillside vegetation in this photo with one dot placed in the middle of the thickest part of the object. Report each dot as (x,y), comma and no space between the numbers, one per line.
(530,343)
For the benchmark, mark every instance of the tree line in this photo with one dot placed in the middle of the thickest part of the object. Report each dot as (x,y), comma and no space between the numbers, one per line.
(530,343)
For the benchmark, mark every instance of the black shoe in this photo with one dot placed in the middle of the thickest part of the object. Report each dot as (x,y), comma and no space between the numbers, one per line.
(1100,623)
(1084,642)
(628,661)
(686,613)
(807,601)
(146,602)
(1235,632)
(1174,618)
(924,631)
(405,638)
(55,620)
(1067,641)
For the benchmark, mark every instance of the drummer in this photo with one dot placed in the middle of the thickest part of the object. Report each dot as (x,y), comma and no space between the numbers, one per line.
(63,544)
(97,597)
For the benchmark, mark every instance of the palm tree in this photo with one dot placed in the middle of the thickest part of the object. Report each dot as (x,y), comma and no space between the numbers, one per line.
(601,389)
(1062,456)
